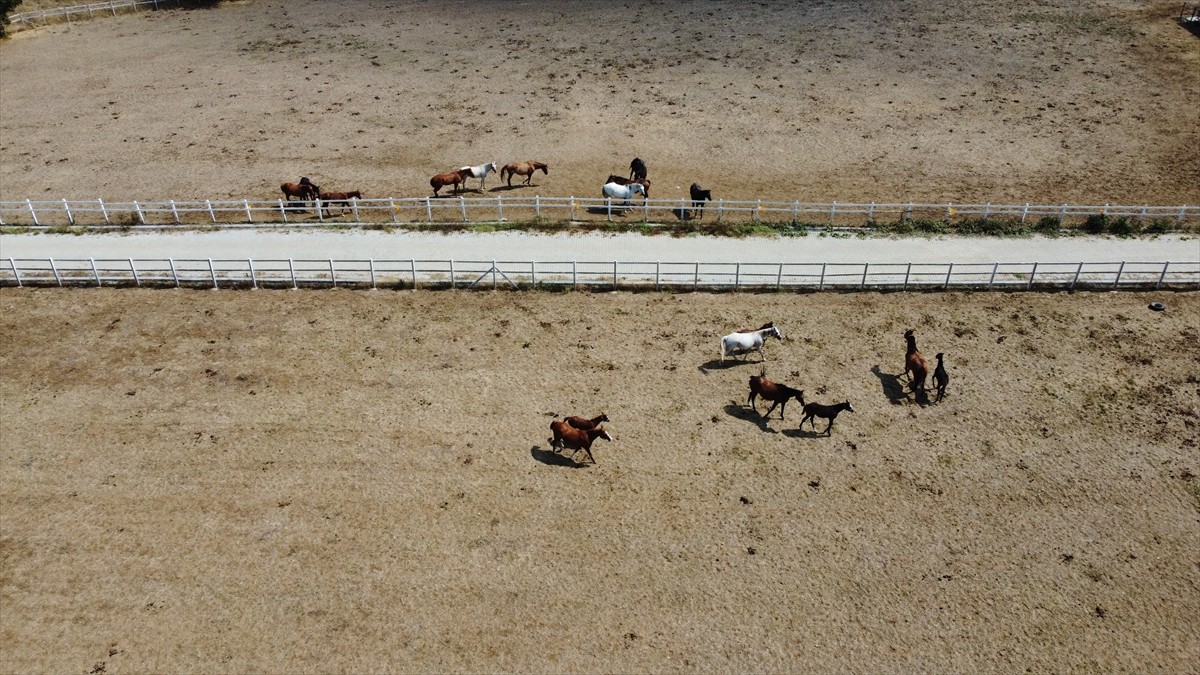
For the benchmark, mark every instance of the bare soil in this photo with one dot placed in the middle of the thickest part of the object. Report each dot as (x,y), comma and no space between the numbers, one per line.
(279,481)
(994,101)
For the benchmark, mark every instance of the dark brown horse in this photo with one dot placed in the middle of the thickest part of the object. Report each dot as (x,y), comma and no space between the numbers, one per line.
(455,178)
(637,169)
(526,169)
(914,364)
(699,196)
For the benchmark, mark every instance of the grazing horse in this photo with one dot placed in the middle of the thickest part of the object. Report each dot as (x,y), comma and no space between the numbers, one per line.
(481,172)
(775,392)
(940,378)
(914,364)
(620,180)
(567,436)
(585,423)
(526,169)
(441,180)
(699,196)
(743,343)
(625,192)
(335,198)
(637,169)
(829,412)
(304,190)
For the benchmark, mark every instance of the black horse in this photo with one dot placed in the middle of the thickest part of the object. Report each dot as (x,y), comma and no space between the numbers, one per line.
(637,169)
(699,196)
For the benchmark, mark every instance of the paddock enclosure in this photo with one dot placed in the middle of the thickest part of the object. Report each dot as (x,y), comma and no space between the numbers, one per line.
(276,480)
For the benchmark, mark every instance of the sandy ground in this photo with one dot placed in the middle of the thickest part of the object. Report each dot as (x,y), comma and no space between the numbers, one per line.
(281,481)
(305,481)
(993,101)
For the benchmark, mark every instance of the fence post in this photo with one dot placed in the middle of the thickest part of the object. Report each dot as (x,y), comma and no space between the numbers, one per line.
(332,275)
(253,278)
(138,209)
(67,208)
(907,272)
(574,276)
(1062,216)
(1078,270)
(320,210)
(17,274)
(354,208)
(832,211)
(1032,274)
(608,205)
(949,271)
(866,266)
(908,212)
(1162,276)
(428,210)
(795,212)
(500,207)
(657,271)
(213,273)
(779,277)
(57,278)
(737,275)
(987,211)
(393,208)
(292,270)
(696,277)
(462,205)
(1120,269)
(211,213)
(1024,213)
(175,212)
(1179,217)
(871,214)
(32,212)
(537,207)
(533,274)
(451,274)
(371,267)
(821,283)
(614,275)
(174,274)
(646,208)
(412,265)
(992,279)
(758,211)
(95,272)
(103,211)
(249,215)
(720,208)
(133,270)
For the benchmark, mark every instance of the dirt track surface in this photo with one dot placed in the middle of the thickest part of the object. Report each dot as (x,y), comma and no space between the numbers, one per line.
(992,101)
(353,481)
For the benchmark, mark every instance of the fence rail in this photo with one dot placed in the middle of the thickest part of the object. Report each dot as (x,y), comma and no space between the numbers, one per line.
(595,275)
(97,213)
(44,17)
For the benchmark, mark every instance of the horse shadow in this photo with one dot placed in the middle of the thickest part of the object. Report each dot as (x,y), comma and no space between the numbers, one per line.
(552,458)
(801,433)
(741,412)
(603,210)
(684,215)
(718,364)
(895,390)
(510,188)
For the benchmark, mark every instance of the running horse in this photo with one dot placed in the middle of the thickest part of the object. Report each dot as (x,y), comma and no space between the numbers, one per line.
(526,169)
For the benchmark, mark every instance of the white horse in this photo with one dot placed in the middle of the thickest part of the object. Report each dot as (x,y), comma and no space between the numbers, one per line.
(743,343)
(625,192)
(481,172)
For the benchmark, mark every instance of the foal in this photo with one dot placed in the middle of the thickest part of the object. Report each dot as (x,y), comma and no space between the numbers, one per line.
(585,423)
(829,412)
(940,378)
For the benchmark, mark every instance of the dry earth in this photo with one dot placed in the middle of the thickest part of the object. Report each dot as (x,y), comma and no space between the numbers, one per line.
(278,481)
(359,481)
(994,101)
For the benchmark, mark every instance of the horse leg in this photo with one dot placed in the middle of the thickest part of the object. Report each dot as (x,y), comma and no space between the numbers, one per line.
(773,410)
(828,429)
(589,454)
(752,402)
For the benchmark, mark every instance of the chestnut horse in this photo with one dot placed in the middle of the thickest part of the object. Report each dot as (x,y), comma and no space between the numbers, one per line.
(304,190)
(914,364)
(455,178)
(335,198)
(526,169)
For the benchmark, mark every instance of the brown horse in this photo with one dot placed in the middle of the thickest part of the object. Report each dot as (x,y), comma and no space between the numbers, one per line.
(304,190)
(914,364)
(455,178)
(621,180)
(523,169)
(338,198)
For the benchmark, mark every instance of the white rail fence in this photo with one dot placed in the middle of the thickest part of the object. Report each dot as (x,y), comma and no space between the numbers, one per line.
(44,17)
(96,213)
(595,275)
